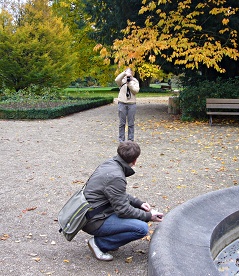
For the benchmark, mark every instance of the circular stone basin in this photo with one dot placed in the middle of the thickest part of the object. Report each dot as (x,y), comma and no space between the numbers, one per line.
(193,233)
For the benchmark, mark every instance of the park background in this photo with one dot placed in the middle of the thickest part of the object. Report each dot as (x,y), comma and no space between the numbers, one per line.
(64,53)
(48,46)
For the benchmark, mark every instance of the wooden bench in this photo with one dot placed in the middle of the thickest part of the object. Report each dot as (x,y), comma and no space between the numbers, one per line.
(221,107)
(166,86)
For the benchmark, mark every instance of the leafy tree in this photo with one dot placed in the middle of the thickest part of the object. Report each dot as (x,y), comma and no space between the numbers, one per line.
(90,64)
(187,33)
(36,48)
(101,21)
(109,18)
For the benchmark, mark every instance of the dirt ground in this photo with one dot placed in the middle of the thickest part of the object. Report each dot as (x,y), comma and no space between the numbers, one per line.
(44,162)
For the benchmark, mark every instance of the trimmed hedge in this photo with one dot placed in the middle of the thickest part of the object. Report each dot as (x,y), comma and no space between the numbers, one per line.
(53,112)
(193,98)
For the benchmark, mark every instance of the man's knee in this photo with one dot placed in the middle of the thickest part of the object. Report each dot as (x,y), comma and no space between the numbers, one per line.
(143,229)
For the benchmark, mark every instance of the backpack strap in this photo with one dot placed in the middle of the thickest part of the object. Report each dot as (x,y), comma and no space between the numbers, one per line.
(91,213)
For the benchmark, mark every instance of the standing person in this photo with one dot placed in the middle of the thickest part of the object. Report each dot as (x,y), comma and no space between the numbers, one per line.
(126,218)
(129,87)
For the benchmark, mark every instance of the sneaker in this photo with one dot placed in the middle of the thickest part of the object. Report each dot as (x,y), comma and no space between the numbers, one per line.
(97,252)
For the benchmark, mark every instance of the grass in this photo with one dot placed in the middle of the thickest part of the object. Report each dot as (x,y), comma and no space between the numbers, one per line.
(90,92)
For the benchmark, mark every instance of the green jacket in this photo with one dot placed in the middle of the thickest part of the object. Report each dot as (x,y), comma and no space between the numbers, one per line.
(108,185)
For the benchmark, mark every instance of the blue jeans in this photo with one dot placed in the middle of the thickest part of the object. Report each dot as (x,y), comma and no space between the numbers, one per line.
(116,232)
(126,112)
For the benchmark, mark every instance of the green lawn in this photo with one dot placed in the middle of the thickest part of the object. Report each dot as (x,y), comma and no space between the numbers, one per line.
(90,92)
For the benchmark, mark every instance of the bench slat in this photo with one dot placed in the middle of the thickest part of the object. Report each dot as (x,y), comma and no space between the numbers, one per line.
(222,113)
(212,100)
(223,105)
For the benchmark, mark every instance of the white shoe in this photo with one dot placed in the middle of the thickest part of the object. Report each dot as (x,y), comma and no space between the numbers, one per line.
(97,252)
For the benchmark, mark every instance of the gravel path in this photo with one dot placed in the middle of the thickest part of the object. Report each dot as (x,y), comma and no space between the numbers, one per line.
(44,162)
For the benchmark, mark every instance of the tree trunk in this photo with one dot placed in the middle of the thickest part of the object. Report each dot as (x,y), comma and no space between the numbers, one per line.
(142,83)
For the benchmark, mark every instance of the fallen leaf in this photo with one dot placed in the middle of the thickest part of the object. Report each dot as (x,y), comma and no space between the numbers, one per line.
(135,187)
(129,260)
(50,273)
(4,237)
(29,209)
(78,181)
(147,238)
(37,259)
(141,251)
(181,186)
(66,261)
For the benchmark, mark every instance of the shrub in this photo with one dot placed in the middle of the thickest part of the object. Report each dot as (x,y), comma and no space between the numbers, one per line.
(193,98)
(32,93)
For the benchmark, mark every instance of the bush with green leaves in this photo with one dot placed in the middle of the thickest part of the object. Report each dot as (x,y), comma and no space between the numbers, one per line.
(193,98)
(30,94)
(35,47)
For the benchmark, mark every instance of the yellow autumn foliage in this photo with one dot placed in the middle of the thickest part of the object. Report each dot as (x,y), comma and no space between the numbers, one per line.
(177,36)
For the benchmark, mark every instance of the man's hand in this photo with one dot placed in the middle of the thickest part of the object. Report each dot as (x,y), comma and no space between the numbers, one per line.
(156,216)
(146,207)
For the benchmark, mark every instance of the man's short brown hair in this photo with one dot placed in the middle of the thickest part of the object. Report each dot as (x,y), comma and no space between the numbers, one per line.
(129,151)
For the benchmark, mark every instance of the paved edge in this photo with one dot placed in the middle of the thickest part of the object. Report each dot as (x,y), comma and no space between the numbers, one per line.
(180,245)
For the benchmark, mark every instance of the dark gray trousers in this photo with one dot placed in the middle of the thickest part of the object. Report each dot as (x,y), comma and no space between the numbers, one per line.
(126,114)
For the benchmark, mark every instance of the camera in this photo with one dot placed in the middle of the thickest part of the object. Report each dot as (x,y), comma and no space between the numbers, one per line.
(128,78)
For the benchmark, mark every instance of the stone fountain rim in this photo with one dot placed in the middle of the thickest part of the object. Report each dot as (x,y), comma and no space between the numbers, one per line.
(181,244)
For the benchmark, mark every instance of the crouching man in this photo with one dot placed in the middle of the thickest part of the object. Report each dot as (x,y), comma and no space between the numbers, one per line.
(126,218)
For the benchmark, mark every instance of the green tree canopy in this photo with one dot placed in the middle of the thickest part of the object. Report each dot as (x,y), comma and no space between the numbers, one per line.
(109,18)
(36,48)
(90,64)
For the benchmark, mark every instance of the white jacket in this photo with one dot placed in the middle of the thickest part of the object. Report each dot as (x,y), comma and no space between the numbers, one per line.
(133,85)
